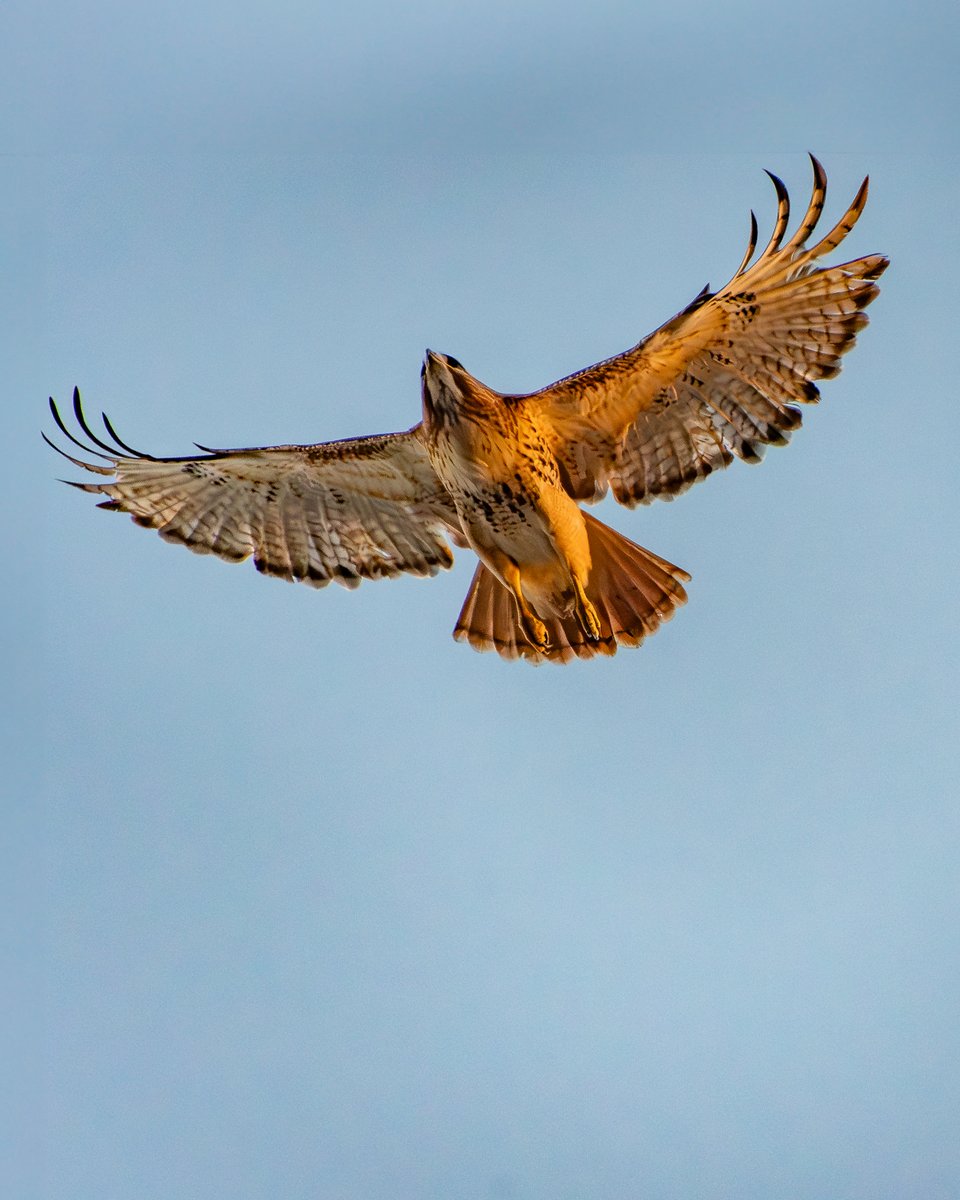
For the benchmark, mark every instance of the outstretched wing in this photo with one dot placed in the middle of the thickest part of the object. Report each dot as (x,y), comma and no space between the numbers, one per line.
(721,378)
(363,508)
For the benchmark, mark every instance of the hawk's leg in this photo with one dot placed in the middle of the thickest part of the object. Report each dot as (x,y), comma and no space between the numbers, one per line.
(586,614)
(534,630)
(532,627)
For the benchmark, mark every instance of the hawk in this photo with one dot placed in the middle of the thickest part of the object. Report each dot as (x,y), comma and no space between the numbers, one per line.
(506,475)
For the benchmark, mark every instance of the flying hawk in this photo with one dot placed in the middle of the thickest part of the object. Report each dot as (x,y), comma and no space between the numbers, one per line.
(505,475)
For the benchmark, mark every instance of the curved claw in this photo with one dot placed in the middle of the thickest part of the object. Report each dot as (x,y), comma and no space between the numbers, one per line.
(535,632)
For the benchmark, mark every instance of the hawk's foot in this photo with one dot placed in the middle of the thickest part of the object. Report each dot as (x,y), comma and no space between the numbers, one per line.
(586,616)
(534,631)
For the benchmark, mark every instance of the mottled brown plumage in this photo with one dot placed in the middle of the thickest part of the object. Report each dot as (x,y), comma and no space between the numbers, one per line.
(505,474)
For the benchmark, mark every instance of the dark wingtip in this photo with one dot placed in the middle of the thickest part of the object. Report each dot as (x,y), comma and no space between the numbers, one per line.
(81,418)
(819,174)
(81,487)
(698,301)
(56,416)
(779,185)
(122,444)
(860,199)
(98,441)
(61,425)
(783,214)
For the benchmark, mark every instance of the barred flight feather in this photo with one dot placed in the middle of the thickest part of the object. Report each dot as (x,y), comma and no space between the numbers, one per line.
(371,509)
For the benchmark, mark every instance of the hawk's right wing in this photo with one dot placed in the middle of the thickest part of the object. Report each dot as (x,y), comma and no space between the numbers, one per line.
(362,508)
(723,377)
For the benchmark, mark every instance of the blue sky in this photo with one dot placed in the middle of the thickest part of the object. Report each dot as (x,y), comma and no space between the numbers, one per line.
(305,900)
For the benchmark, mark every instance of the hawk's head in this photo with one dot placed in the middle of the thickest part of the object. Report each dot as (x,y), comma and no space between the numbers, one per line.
(445,384)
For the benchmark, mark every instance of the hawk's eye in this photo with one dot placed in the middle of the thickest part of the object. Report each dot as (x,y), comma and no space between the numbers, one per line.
(452,362)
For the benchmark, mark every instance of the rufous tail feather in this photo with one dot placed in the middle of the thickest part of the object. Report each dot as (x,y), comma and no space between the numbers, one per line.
(632,590)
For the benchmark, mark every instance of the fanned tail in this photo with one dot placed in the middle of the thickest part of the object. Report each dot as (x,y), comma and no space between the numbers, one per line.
(632,590)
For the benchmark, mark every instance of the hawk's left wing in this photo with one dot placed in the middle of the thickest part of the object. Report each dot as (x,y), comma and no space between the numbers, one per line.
(722,377)
(362,508)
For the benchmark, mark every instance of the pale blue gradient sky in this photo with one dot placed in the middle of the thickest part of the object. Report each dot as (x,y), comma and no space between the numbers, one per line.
(306,901)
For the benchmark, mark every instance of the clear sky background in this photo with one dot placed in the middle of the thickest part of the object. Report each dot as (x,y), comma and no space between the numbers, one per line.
(306,901)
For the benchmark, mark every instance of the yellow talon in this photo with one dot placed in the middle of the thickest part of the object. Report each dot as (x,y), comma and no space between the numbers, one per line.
(535,631)
(586,615)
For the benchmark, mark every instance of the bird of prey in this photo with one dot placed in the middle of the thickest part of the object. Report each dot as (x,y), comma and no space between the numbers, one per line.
(506,475)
